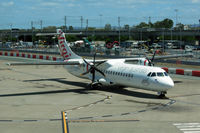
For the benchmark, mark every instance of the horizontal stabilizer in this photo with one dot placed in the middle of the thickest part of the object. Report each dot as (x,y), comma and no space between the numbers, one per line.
(44,63)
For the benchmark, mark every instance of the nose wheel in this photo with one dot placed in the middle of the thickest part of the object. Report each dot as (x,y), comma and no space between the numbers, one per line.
(161,95)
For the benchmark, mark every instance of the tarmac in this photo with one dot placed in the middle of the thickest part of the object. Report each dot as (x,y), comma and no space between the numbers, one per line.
(32,98)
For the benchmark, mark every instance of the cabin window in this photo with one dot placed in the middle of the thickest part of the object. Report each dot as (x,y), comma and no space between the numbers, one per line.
(153,74)
(149,74)
(160,74)
(165,74)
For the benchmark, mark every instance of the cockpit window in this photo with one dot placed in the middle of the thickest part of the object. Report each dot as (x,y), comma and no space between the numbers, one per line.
(165,74)
(160,74)
(153,74)
(149,74)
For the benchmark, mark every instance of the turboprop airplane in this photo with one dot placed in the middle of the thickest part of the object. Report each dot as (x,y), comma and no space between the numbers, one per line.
(112,72)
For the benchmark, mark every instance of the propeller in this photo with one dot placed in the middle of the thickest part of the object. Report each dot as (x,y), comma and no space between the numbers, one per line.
(151,60)
(93,68)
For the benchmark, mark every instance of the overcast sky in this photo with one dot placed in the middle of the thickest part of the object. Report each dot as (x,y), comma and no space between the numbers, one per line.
(20,13)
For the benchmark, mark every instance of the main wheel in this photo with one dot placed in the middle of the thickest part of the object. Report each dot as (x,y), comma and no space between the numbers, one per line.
(95,85)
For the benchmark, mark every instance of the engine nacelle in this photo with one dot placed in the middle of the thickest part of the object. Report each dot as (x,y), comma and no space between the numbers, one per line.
(104,82)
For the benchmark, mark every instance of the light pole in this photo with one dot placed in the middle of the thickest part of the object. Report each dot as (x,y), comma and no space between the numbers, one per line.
(65,19)
(171,34)
(163,34)
(11,32)
(119,29)
(176,10)
(141,34)
(100,15)
(87,27)
(199,25)
(81,22)
(32,30)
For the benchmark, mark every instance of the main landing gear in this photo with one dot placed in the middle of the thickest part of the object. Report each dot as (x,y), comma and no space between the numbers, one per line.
(95,85)
(162,95)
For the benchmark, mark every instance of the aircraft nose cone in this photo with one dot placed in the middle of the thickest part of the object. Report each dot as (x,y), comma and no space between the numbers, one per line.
(169,83)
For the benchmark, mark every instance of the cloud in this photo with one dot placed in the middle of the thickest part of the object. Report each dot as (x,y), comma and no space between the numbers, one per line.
(49,4)
(11,3)
(195,1)
(96,3)
(71,5)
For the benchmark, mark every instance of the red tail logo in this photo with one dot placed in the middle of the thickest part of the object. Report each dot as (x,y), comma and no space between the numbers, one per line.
(62,47)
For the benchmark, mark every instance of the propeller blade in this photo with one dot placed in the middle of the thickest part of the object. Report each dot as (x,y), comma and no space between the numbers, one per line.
(86,62)
(90,70)
(153,56)
(94,58)
(85,73)
(99,71)
(100,63)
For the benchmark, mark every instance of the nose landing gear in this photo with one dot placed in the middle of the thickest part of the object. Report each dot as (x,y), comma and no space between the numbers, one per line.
(161,95)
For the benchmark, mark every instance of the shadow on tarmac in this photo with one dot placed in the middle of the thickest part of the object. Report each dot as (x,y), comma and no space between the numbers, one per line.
(178,82)
(124,91)
(60,80)
(83,90)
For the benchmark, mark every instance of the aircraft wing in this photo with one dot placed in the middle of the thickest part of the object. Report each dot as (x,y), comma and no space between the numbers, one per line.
(44,63)
(139,58)
(172,56)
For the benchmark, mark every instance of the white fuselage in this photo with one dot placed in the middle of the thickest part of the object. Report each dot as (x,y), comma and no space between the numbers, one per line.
(119,73)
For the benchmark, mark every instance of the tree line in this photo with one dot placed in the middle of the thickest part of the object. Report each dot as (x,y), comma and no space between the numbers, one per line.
(166,23)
